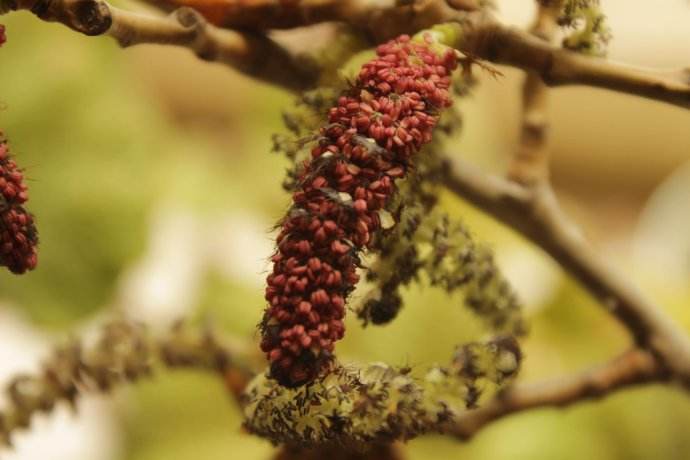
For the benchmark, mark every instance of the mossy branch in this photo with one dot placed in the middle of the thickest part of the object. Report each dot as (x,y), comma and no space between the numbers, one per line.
(359,405)
(366,405)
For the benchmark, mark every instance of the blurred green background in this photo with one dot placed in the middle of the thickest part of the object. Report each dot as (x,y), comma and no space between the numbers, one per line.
(155,193)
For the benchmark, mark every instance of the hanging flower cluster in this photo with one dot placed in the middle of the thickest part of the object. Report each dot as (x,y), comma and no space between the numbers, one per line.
(18,236)
(430,242)
(3,37)
(372,133)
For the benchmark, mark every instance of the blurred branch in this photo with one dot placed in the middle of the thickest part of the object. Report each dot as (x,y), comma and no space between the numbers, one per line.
(530,162)
(527,202)
(253,54)
(535,213)
(124,353)
(634,367)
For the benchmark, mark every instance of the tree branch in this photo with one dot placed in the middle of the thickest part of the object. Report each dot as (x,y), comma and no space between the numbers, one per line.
(632,368)
(380,19)
(530,162)
(124,353)
(253,54)
(261,58)
(483,36)
(535,213)
(368,404)
(558,67)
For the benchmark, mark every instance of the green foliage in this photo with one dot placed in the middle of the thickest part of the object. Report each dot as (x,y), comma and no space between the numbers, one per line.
(350,403)
(477,369)
(586,25)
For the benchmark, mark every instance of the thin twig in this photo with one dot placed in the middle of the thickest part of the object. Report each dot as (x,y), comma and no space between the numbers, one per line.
(535,213)
(253,54)
(634,367)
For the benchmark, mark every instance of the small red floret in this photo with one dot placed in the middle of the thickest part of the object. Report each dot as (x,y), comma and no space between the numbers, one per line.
(18,235)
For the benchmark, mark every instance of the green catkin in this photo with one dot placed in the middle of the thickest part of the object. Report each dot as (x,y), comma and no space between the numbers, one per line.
(446,252)
(586,25)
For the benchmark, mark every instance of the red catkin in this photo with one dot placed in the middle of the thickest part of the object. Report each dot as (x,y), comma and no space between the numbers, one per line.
(368,142)
(18,236)
(3,37)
